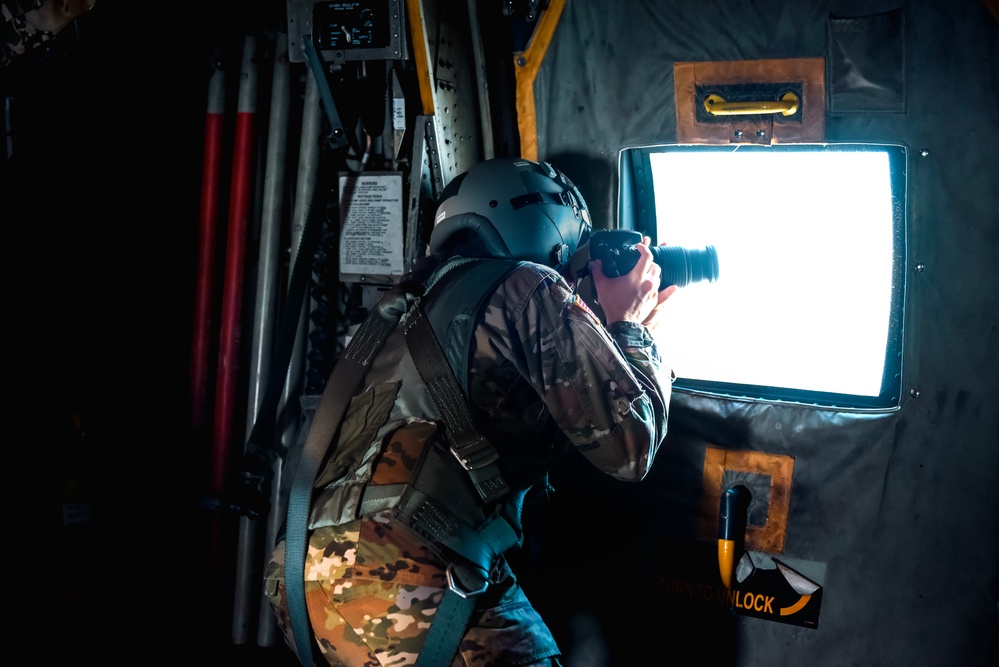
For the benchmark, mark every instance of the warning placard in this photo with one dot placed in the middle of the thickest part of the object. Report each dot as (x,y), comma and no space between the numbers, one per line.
(766,588)
(371,237)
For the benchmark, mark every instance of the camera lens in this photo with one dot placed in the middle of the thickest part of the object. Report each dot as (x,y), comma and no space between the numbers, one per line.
(682,266)
(679,266)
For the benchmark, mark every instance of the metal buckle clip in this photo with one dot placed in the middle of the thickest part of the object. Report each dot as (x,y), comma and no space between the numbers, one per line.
(453,585)
(475,455)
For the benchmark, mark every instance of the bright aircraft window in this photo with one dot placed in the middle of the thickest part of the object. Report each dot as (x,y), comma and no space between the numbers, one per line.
(810,244)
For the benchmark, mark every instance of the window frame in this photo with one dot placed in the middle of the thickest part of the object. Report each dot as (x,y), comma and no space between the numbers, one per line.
(636,211)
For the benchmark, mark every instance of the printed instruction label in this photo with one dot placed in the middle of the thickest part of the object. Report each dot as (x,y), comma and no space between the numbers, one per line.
(371,241)
(399,114)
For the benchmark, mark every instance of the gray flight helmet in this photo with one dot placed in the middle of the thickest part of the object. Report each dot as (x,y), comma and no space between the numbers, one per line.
(519,209)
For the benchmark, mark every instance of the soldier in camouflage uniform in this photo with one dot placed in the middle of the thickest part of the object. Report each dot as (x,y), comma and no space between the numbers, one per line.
(544,374)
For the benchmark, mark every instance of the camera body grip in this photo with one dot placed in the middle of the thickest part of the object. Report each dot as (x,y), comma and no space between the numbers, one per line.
(615,248)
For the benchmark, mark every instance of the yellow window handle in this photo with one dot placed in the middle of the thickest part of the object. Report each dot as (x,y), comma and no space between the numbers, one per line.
(716,106)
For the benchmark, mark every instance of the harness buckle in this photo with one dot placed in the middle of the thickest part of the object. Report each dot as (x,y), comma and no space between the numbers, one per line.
(477,454)
(452,584)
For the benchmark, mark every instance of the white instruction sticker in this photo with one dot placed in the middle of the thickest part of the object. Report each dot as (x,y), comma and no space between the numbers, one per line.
(371,241)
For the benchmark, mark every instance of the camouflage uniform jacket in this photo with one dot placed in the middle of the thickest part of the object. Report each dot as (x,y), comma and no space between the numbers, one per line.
(544,374)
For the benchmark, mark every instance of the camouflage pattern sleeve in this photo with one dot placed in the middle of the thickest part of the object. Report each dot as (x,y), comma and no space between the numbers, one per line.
(608,390)
(26,26)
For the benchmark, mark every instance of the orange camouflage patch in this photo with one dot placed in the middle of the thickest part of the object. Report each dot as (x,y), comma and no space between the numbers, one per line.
(399,459)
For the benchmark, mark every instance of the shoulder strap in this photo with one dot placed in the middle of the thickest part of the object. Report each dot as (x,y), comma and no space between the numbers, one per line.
(439,336)
(454,311)
(475,454)
(347,374)
(468,578)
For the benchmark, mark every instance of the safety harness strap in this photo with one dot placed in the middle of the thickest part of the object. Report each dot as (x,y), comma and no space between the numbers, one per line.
(480,547)
(445,357)
(341,386)
(475,454)
(467,577)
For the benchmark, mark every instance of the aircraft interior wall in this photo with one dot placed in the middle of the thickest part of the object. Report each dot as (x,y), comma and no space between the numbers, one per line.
(891,514)
(885,507)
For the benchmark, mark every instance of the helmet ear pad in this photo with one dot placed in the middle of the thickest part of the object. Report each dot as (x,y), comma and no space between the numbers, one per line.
(480,225)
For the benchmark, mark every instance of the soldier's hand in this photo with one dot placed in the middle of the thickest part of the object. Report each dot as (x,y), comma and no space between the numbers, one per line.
(634,296)
(655,319)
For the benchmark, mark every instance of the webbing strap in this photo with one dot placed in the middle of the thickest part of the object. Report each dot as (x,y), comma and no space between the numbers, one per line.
(475,454)
(425,516)
(466,580)
(447,629)
(340,388)
(479,549)
(469,577)
(452,314)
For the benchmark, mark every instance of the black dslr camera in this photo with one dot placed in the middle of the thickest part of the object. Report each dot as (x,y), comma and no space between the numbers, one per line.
(680,266)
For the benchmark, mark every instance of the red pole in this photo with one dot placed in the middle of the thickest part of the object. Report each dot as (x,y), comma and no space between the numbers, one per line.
(232,295)
(207,242)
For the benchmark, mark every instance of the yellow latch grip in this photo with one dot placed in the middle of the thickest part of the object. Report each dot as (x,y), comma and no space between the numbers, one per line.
(786,106)
(732,520)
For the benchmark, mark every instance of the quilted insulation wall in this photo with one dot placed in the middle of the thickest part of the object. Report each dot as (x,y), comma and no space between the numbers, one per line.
(895,513)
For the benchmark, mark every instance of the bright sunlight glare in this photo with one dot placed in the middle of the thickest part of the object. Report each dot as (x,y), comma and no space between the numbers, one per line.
(804,244)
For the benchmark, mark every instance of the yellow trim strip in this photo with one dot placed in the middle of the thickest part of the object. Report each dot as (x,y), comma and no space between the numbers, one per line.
(526,65)
(418,36)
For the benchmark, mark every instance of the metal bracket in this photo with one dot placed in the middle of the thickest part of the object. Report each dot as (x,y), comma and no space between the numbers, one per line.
(338,137)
